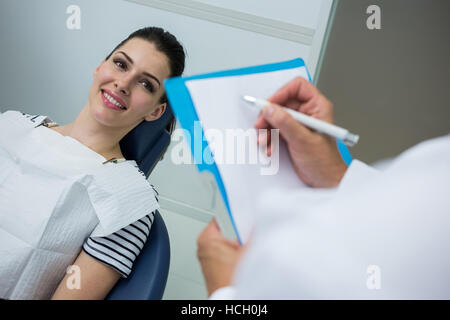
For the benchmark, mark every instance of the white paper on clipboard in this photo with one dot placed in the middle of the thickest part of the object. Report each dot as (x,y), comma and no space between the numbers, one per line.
(221,110)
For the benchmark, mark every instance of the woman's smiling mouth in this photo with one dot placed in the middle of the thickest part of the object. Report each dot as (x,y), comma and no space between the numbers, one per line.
(112,101)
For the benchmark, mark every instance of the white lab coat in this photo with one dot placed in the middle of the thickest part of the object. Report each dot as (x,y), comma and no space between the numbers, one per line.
(54,193)
(379,235)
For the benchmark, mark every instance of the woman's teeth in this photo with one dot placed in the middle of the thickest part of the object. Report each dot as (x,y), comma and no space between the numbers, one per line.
(113,101)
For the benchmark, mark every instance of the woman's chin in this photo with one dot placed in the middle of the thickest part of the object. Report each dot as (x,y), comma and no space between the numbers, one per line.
(103,115)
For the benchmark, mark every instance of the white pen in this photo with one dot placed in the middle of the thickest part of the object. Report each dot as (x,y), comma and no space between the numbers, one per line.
(349,139)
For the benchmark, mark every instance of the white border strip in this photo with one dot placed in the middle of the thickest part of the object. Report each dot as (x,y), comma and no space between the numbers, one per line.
(185,209)
(319,48)
(233,18)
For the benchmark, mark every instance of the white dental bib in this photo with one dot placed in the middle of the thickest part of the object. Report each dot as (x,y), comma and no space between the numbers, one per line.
(54,193)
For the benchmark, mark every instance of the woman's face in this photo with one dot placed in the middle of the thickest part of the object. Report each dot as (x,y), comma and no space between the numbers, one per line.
(132,77)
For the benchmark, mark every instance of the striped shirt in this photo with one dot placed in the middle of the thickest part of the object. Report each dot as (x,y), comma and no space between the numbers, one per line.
(120,249)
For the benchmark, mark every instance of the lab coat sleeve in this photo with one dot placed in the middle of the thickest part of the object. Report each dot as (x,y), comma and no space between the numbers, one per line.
(358,173)
(382,238)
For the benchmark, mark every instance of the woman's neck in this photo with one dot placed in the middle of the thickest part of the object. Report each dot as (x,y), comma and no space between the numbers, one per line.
(97,137)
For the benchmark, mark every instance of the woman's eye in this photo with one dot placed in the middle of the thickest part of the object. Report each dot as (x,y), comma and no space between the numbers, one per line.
(123,65)
(148,85)
(120,64)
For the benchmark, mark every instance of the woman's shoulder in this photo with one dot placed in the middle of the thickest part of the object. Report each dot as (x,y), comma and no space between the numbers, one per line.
(136,166)
(121,194)
(138,170)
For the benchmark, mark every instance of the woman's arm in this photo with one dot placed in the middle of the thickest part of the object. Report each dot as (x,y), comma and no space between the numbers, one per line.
(96,280)
(104,260)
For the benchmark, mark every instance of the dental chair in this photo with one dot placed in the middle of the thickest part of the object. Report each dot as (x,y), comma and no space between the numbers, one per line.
(146,144)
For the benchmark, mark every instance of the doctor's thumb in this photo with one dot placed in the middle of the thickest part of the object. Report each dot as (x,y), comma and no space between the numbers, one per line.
(290,129)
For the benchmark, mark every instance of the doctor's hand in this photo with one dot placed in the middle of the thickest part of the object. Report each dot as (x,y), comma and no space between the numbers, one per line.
(218,257)
(315,157)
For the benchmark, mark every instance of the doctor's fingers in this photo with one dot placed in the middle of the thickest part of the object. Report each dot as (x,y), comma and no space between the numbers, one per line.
(221,249)
(301,95)
(261,122)
(290,129)
(288,126)
(299,90)
(263,139)
(211,232)
(320,108)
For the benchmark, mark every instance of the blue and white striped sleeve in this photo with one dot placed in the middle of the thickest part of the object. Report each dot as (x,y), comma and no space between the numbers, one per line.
(120,249)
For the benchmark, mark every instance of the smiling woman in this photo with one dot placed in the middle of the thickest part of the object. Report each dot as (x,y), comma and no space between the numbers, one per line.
(129,81)
(91,207)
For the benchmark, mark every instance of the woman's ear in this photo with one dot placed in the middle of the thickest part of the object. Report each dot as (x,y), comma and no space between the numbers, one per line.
(157,113)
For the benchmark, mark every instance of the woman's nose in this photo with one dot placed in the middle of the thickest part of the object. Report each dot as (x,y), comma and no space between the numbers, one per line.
(123,85)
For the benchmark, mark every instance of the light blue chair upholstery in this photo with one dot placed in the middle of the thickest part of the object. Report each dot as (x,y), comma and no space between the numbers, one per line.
(145,144)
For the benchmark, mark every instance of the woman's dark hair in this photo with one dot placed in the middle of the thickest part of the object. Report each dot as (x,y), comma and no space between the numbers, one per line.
(166,43)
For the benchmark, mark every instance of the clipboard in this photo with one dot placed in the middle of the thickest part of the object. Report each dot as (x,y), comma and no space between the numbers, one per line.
(184,109)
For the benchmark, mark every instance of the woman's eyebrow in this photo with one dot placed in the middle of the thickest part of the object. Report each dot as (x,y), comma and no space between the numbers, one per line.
(144,73)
